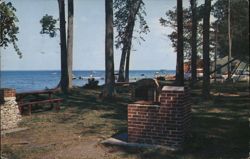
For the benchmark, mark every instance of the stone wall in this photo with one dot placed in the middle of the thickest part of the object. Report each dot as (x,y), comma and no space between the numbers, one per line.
(165,124)
(10,115)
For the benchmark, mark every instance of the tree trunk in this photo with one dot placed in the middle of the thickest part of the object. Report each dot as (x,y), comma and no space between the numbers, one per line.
(124,63)
(134,10)
(179,64)
(64,83)
(206,59)
(70,40)
(194,41)
(108,91)
(127,62)
(229,41)
(125,50)
(121,77)
(216,50)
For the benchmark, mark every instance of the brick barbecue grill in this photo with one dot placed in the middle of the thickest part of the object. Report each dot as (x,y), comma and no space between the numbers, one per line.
(161,123)
(146,89)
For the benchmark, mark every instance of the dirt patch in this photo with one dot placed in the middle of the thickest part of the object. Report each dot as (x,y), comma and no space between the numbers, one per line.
(78,150)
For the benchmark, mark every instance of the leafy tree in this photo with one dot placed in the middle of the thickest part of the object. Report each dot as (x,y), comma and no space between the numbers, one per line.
(8,27)
(108,91)
(239,24)
(49,27)
(171,21)
(192,33)
(206,43)
(126,14)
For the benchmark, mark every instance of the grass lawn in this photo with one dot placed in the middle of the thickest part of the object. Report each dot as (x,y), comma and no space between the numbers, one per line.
(220,128)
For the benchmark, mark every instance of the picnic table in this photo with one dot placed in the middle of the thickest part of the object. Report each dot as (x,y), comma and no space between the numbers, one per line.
(34,98)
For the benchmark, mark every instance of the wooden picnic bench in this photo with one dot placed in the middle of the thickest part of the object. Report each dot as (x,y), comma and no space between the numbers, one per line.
(34,98)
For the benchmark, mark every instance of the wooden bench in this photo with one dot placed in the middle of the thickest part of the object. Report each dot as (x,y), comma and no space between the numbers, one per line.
(37,99)
(30,104)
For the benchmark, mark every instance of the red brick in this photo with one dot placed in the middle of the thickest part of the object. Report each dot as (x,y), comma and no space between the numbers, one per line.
(164,125)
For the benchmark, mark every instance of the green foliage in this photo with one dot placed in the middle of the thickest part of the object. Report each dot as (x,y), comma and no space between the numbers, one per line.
(8,27)
(239,27)
(121,17)
(49,25)
(171,21)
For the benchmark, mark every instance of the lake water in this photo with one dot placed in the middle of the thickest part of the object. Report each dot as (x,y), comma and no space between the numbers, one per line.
(38,80)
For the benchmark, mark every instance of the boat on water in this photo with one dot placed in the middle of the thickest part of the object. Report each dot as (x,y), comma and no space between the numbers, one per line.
(85,78)
(73,77)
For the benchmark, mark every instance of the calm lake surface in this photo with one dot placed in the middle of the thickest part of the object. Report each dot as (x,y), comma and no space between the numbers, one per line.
(24,81)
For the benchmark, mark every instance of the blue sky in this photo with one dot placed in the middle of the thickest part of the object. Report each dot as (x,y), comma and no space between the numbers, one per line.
(43,53)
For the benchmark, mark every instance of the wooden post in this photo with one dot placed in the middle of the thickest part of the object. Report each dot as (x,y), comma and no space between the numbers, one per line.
(30,109)
(50,97)
(57,106)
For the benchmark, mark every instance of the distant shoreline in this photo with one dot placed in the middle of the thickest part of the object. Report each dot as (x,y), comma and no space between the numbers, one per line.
(32,80)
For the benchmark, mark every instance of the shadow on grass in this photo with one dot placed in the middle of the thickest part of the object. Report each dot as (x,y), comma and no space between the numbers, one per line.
(209,138)
(219,129)
(213,137)
(87,107)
